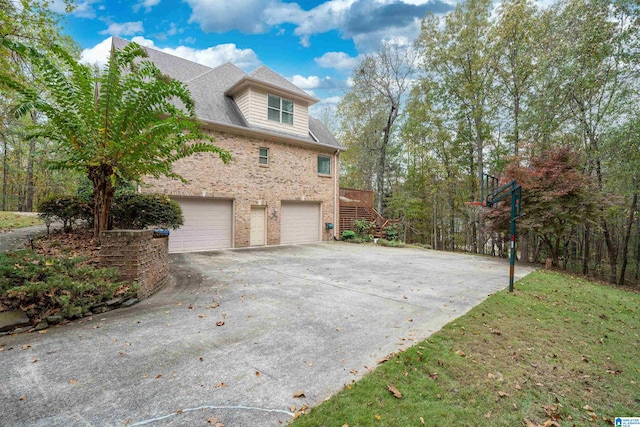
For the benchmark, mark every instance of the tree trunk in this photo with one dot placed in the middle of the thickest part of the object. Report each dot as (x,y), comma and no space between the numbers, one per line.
(612,248)
(4,175)
(452,227)
(382,157)
(479,147)
(103,192)
(524,247)
(587,245)
(627,235)
(28,204)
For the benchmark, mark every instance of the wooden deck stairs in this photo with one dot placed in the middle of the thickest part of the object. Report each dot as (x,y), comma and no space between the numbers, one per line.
(358,204)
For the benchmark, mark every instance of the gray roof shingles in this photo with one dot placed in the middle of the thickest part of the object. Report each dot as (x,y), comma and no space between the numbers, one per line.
(208,86)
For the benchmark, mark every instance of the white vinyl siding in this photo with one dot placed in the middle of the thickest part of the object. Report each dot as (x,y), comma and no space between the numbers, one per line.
(253,103)
(208,225)
(300,222)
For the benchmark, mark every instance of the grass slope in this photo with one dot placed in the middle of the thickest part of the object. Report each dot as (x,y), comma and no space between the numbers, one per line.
(560,351)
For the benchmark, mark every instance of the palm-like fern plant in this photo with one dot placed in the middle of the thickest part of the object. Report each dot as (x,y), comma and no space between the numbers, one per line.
(122,123)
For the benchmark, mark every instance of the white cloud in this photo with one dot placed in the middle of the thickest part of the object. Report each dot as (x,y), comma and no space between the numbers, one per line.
(315,82)
(124,29)
(221,16)
(211,56)
(147,4)
(337,60)
(97,54)
(82,9)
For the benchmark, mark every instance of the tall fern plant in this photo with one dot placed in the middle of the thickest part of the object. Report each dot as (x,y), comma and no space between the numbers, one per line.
(124,122)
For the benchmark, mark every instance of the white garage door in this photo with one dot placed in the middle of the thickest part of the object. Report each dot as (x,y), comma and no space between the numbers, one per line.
(300,222)
(207,225)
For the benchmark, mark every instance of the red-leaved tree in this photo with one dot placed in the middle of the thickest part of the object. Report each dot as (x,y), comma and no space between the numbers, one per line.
(556,196)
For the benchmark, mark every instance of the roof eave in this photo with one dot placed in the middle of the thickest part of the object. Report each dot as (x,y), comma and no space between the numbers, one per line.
(256,133)
(250,81)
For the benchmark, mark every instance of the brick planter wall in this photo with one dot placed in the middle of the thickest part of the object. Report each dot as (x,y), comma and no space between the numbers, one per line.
(138,256)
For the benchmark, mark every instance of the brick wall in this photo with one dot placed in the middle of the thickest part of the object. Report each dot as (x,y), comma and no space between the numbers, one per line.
(291,176)
(138,256)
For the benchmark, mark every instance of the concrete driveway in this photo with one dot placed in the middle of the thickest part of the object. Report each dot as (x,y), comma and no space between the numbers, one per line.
(238,333)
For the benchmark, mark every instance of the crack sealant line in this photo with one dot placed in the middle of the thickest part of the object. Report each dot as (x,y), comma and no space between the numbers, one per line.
(199,408)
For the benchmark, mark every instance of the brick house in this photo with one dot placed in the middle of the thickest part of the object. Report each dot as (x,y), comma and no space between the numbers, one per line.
(282,184)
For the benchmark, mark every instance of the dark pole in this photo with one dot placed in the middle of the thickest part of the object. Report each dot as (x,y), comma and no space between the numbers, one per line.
(512,258)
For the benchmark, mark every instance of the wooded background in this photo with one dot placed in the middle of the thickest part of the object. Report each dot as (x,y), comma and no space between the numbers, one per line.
(545,95)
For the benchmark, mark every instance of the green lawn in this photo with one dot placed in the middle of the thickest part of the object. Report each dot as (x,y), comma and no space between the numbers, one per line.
(560,351)
(10,220)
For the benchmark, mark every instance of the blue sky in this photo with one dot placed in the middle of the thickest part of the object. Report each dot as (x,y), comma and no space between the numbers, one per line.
(313,43)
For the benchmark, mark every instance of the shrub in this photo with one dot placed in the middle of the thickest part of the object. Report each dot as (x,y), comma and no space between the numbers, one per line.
(348,235)
(68,209)
(364,227)
(392,231)
(391,243)
(138,211)
(41,287)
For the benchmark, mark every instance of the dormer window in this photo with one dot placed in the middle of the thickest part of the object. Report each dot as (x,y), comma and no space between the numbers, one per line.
(280,110)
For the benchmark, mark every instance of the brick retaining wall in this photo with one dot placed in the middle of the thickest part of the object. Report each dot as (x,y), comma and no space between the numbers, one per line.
(138,256)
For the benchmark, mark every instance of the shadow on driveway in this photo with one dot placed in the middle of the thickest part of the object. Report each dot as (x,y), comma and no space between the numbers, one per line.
(239,332)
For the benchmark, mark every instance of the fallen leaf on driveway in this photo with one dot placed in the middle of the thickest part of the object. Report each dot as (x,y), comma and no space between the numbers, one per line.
(72,381)
(385,359)
(25,346)
(257,374)
(23,397)
(159,376)
(220,323)
(299,394)
(395,391)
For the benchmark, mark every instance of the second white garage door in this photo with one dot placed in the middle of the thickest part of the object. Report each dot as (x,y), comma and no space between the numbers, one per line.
(207,226)
(300,222)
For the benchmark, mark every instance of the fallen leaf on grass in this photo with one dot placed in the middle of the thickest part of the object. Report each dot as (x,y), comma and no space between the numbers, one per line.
(433,376)
(502,394)
(377,417)
(518,387)
(422,421)
(487,415)
(529,423)
(394,391)
(461,353)
(299,394)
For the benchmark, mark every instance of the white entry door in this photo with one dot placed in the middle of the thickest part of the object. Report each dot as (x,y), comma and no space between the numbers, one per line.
(258,226)
(300,222)
(208,225)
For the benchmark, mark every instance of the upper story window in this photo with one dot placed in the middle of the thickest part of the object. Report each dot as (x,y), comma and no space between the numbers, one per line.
(324,165)
(280,110)
(263,156)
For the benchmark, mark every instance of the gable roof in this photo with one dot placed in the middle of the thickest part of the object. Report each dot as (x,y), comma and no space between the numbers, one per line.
(210,89)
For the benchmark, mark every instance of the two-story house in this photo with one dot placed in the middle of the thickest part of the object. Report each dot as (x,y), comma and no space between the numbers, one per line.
(281,186)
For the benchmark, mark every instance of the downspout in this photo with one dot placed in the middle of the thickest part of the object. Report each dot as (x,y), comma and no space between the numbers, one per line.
(336,197)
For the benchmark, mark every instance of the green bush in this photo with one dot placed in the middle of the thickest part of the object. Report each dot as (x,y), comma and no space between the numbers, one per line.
(138,211)
(68,209)
(41,287)
(348,235)
(364,227)
(392,231)
(390,243)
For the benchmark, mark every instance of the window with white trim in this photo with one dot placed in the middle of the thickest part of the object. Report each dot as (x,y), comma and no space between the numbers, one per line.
(280,110)
(263,156)
(324,165)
